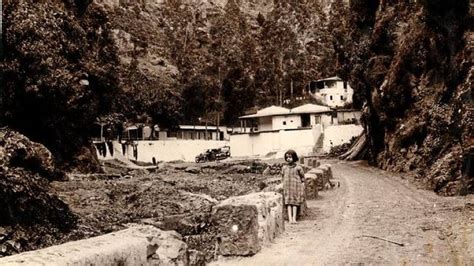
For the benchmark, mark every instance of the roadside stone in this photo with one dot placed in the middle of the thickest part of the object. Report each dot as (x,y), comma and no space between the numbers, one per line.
(246,223)
(327,169)
(311,186)
(137,245)
(321,179)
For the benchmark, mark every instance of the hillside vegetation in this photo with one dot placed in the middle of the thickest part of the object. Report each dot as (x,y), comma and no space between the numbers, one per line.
(69,63)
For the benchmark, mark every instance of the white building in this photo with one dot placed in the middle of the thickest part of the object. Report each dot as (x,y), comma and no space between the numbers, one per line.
(275,118)
(303,129)
(333,92)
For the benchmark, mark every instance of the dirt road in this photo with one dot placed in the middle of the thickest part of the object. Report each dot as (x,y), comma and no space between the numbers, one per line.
(374,218)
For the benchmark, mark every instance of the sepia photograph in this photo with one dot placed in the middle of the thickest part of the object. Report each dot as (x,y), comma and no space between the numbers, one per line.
(236,132)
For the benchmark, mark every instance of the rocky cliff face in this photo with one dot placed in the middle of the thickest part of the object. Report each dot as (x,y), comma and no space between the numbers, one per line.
(412,62)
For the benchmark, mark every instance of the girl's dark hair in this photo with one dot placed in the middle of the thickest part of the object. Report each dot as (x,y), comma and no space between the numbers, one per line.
(293,155)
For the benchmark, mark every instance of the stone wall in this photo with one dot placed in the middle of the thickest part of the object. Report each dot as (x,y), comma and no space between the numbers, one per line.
(246,223)
(137,245)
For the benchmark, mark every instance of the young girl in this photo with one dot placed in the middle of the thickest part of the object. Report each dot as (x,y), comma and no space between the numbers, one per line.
(293,185)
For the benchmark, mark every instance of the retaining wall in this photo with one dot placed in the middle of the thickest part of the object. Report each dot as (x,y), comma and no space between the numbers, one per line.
(137,245)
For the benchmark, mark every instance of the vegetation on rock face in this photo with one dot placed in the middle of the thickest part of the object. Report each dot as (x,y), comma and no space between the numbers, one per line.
(410,63)
(185,61)
(58,73)
(230,57)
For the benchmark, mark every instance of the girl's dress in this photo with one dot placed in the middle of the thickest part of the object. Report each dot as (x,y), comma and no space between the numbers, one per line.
(293,187)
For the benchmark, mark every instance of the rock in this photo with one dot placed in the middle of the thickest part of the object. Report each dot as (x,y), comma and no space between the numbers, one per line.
(246,223)
(311,185)
(196,258)
(19,151)
(193,170)
(321,177)
(327,168)
(171,249)
(266,171)
(27,203)
(238,169)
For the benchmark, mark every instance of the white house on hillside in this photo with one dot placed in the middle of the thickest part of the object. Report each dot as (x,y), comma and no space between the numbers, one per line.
(277,129)
(333,92)
(275,118)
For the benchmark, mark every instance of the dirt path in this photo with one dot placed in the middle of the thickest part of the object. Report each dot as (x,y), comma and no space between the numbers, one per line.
(371,203)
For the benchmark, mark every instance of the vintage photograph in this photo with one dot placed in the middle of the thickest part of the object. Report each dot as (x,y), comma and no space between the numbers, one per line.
(236,132)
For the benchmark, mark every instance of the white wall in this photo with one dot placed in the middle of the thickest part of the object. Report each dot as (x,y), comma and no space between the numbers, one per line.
(340,134)
(348,116)
(336,92)
(260,144)
(163,150)
(265,123)
(326,120)
(292,122)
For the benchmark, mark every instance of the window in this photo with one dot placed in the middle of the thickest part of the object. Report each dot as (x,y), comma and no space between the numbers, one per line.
(345,85)
(284,123)
(305,120)
(342,98)
(317,119)
(330,97)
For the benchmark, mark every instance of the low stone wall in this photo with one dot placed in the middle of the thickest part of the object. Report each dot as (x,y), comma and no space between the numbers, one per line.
(317,178)
(246,223)
(311,185)
(137,245)
(312,162)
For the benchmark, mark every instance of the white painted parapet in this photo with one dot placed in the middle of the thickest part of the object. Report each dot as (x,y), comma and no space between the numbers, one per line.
(246,223)
(137,245)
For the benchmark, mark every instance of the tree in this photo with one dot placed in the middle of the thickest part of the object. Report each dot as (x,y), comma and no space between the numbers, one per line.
(58,72)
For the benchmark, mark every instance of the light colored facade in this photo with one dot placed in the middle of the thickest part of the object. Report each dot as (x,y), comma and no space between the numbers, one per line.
(276,118)
(304,129)
(148,151)
(185,132)
(333,92)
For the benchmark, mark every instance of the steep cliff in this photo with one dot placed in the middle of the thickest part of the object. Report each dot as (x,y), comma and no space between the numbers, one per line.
(411,63)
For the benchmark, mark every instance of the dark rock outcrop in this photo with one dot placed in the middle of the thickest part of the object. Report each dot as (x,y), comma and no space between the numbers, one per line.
(31,215)
(411,63)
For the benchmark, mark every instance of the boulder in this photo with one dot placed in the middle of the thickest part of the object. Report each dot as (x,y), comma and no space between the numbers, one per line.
(246,223)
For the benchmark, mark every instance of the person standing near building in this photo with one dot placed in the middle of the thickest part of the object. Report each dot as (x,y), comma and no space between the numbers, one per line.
(293,185)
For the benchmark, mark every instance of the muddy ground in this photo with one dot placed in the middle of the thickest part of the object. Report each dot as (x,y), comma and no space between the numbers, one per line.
(176,196)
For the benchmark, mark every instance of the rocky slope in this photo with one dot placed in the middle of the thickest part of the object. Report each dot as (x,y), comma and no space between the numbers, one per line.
(411,64)
(32,216)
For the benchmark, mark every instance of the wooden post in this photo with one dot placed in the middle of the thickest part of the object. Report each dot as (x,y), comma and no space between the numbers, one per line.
(218,135)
